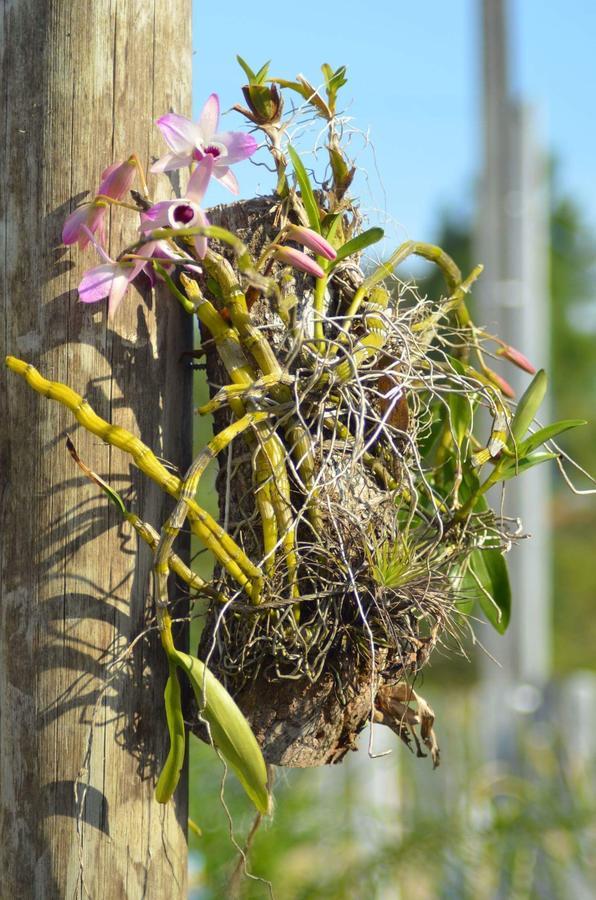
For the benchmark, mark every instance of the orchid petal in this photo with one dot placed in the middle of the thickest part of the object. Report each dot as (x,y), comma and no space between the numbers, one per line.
(200,243)
(181,135)
(171,161)
(199,179)
(90,215)
(91,240)
(226,177)
(200,240)
(120,282)
(72,227)
(117,179)
(209,117)
(96,283)
(239,145)
(517,358)
(157,216)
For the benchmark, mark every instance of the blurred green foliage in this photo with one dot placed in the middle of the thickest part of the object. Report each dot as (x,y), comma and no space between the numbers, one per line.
(469,831)
(572,378)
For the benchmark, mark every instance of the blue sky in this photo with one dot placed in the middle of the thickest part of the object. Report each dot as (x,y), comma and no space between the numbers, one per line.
(414,87)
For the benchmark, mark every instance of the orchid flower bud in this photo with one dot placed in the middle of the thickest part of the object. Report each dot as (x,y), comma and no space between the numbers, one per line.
(298,260)
(517,358)
(309,238)
(500,382)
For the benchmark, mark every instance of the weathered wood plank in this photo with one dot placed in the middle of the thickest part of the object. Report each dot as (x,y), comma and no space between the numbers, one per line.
(80,86)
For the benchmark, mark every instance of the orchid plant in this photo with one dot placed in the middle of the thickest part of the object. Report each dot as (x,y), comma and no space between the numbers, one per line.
(393,383)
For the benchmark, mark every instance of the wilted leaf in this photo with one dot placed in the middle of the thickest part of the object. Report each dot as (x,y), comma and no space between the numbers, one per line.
(111,494)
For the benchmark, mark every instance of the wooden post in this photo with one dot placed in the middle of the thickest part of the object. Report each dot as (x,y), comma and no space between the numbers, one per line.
(81,738)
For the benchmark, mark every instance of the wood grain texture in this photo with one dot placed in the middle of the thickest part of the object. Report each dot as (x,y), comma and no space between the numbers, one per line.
(80,86)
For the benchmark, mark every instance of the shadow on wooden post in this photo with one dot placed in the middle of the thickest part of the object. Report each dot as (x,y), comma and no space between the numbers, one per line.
(82,88)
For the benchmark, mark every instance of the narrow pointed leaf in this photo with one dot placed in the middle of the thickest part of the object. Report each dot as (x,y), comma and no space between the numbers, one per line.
(546,434)
(306,191)
(461,416)
(528,405)
(170,774)
(261,75)
(247,69)
(308,92)
(513,468)
(359,243)
(230,731)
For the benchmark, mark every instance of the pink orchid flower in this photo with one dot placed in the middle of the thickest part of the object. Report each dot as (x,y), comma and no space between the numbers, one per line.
(117,179)
(192,142)
(112,277)
(184,212)
(84,222)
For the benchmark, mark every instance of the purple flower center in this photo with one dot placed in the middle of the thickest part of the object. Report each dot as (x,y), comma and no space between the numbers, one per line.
(183,214)
(210,150)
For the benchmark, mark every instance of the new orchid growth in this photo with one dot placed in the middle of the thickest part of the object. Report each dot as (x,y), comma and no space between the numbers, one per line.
(499,382)
(311,239)
(517,358)
(291,257)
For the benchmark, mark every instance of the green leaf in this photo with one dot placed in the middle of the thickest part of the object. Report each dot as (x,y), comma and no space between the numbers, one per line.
(306,191)
(308,92)
(330,225)
(470,482)
(490,586)
(230,731)
(511,468)
(170,774)
(461,416)
(247,69)
(546,434)
(528,405)
(327,73)
(342,174)
(358,243)
(262,73)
